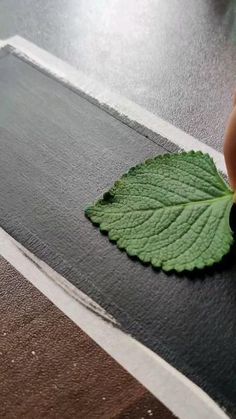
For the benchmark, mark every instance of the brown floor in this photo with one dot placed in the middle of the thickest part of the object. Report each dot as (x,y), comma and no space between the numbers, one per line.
(49,368)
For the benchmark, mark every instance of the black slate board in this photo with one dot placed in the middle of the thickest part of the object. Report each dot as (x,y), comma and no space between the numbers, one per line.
(58,153)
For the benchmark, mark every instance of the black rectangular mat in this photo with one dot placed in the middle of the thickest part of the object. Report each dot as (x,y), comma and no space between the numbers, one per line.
(58,153)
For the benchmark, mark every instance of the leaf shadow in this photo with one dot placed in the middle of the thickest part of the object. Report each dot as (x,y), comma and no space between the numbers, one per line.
(226,264)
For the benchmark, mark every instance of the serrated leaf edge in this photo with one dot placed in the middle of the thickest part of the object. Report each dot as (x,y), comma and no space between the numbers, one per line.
(186,267)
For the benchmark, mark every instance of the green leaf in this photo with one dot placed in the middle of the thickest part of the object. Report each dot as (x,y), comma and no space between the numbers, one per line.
(172,211)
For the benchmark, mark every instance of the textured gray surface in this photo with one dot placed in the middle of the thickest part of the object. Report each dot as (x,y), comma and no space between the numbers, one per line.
(177,58)
(58,153)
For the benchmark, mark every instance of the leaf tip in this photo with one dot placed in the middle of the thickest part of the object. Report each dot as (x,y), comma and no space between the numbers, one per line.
(88,211)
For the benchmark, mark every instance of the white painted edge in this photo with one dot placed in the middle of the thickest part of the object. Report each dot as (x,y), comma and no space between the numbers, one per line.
(71,76)
(178,393)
